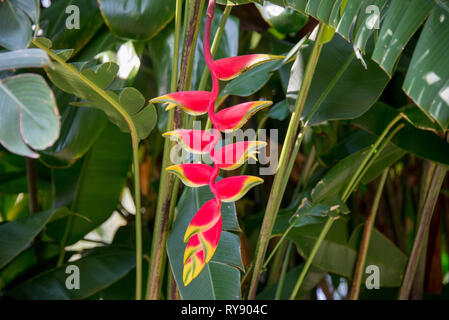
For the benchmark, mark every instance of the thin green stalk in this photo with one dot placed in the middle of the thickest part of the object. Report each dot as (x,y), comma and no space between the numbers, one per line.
(280,286)
(364,243)
(277,191)
(315,248)
(164,215)
(135,146)
(276,265)
(424,222)
(356,175)
(375,150)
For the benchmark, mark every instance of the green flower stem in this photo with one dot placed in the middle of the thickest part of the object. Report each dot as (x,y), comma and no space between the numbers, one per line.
(364,243)
(280,286)
(315,248)
(277,191)
(374,152)
(164,215)
(433,190)
(135,146)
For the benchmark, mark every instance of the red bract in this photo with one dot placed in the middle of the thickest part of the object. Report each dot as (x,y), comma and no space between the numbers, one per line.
(233,188)
(203,233)
(232,156)
(235,117)
(195,141)
(194,103)
(192,175)
(230,68)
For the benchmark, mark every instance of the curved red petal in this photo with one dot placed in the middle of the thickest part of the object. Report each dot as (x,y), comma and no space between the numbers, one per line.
(229,68)
(209,239)
(204,219)
(192,174)
(195,141)
(235,117)
(192,102)
(232,156)
(233,188)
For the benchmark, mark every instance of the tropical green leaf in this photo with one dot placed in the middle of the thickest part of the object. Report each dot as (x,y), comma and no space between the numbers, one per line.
(284,20)
(251,81)
(342,87)
(96,272)
(17,234)
(28,120)
(92,187)
(423,143)
(137,19)
(15,24)
(220,278)
(54,21)
(279,111)
(338,255)
(80,128)
(25,58)
(123,109)
(402,20)
(427,80)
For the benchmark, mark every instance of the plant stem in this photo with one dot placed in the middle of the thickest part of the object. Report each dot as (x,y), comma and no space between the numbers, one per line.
(364,243)
(315,248)
(138,220)
(356,177)
(32,185)
(426,216)
(280,286)
(163,213)
(135,145)
(277,191)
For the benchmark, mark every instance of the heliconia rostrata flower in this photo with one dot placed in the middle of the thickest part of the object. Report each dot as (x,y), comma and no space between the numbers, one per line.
(203,233)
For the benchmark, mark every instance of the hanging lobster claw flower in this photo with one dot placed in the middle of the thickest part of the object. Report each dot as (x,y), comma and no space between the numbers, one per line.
(204,219)
(235,117)
(232,156)
(195,141)
(200,249)
(194,103)
(192,174)
(233,188)
(230,68)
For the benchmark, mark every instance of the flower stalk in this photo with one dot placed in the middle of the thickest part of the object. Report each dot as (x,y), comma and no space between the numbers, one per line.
(366,237)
